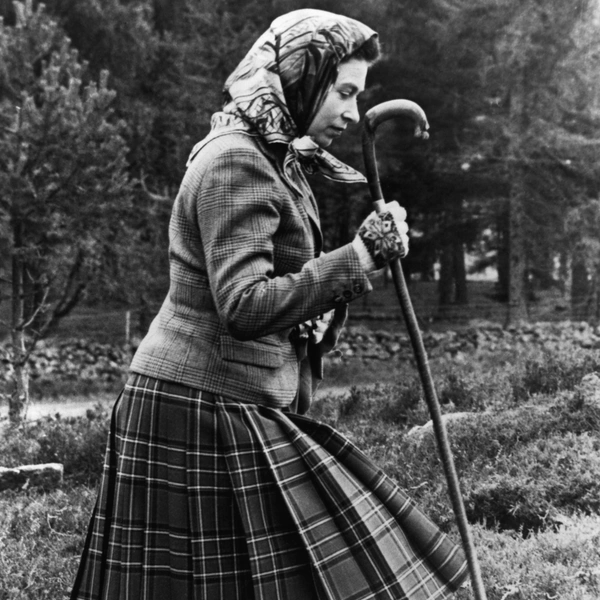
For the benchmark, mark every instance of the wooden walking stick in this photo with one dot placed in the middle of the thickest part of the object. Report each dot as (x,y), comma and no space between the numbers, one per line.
(374,117)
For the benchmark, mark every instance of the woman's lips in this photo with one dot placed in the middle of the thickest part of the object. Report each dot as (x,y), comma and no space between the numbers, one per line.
(337,131)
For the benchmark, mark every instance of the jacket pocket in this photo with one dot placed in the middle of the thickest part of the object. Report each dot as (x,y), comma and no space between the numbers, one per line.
(261,353)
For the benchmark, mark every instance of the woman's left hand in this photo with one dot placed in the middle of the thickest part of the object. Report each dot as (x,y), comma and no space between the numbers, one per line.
(382,237)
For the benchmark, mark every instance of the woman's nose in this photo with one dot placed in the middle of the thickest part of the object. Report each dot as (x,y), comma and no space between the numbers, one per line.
(351,113)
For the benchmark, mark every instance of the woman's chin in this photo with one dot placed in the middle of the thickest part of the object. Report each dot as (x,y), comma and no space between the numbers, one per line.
(324,142)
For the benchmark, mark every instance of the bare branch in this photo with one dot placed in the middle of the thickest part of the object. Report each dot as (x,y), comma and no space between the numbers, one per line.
(38,310)
(152,195)
(70,297)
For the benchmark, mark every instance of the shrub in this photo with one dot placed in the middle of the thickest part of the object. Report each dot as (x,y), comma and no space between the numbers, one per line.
(41,539)
(531,466)
(398,404)
(78,443)
(469,388)
(551,372)
(553,564)
(538,483)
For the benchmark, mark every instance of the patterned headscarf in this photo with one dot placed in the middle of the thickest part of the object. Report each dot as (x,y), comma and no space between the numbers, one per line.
(282,82)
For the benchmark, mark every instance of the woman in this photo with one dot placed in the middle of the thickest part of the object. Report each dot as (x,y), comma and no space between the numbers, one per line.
(215,487)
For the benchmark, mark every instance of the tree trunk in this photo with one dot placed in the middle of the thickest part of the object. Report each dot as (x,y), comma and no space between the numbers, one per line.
(165,15)
(503,261)
(446,283)
(452,286)
(595,298)
(517,303)
(19,398)
(459,273)
(580,289)
(427,256)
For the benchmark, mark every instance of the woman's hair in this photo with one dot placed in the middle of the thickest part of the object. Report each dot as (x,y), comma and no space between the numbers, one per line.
(370,51)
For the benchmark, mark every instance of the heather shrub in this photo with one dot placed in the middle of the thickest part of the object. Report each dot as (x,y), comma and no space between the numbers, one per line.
(553,564)
(527,451)
(41,539)
(396,404)
(537,484)
(470,387)
(54,388)
(520,469)
(551,372)
(78,443)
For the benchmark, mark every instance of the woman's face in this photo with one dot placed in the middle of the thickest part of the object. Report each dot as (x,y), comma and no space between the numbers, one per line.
(340,106)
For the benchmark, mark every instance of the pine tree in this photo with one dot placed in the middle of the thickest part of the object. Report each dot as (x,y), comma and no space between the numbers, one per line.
(64,189)
(532,116)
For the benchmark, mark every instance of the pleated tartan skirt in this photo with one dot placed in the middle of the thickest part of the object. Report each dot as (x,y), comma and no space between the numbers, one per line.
(206,498)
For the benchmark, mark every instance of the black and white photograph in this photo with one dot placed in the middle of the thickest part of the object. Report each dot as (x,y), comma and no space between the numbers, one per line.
(300,300)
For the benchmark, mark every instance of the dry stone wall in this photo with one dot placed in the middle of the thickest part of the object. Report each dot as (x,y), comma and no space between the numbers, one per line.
(72,359)
(360,342)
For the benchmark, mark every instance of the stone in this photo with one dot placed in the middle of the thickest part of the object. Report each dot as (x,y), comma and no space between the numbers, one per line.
(48,476)
(589,388)
(420,431)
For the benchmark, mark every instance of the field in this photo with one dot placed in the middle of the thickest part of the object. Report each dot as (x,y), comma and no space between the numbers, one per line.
(525,438)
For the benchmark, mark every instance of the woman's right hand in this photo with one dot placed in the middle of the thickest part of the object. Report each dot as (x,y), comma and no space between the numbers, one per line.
(382,237)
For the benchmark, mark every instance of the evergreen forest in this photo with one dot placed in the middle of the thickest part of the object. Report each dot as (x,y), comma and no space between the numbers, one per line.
(101,103)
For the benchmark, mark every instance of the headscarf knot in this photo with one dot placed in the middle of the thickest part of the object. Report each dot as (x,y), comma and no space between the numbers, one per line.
(312,158)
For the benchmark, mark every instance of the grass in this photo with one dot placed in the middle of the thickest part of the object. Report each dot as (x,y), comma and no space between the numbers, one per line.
(528,458)
(41,539)
(551,565)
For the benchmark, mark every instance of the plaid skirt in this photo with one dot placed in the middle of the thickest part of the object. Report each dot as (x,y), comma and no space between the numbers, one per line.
(206,498)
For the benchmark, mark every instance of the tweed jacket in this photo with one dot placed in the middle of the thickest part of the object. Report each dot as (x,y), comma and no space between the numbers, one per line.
(246,268)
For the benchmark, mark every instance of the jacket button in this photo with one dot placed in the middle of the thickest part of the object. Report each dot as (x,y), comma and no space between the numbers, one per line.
(347,294)
(358,289)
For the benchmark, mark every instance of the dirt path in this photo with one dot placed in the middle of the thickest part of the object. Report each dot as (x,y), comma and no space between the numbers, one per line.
(70,408)
(76,408)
